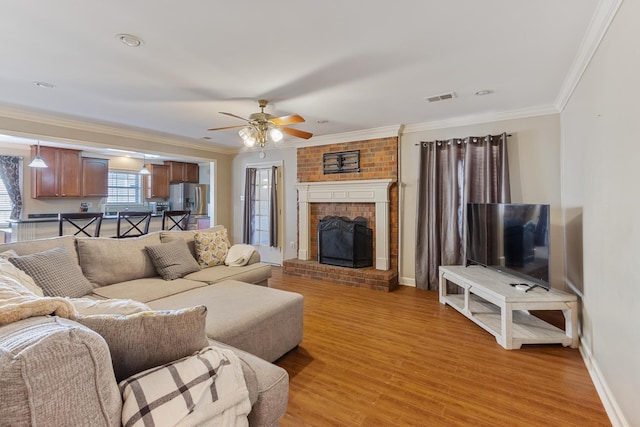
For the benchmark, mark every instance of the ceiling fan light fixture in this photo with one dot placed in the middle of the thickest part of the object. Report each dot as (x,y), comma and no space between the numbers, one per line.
(248,135)
(275,134)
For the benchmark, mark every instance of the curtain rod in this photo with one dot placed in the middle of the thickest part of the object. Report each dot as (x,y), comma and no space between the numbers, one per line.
(420,143)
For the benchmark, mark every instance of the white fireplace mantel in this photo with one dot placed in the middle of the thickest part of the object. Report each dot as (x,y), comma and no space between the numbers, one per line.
(362,191)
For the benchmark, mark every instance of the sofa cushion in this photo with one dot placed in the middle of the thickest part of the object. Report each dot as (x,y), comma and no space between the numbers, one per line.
(54,271)
(143,340)
(105,260)
(187,235)
(208,386)
(145,290)
(268,386)
(27,247)
(211,247)
(55,372)
(262,321)
(172,260)
(252,273)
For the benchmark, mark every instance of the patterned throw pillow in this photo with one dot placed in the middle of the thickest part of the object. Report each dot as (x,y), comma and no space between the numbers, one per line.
(172,260)
(143,340)
(175,393)
(211,247)
(55,271)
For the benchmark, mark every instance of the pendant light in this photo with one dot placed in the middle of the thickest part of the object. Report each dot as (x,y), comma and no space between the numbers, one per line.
(37,161)
(144,170)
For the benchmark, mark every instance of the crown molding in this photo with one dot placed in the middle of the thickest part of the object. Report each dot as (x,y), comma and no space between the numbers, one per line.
(600,22)
(359,135)
(116,132)
(480,118)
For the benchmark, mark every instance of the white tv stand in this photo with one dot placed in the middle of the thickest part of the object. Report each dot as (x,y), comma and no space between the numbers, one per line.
(502,310)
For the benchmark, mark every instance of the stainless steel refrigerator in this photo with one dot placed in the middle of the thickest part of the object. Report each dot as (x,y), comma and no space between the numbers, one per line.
(189,197)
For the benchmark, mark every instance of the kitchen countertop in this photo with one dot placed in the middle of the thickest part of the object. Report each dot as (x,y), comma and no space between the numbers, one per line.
(54,218)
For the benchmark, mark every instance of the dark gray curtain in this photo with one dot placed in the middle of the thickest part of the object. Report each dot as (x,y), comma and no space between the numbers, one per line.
(453,173)
(249,205)
(10,175)
(273,209)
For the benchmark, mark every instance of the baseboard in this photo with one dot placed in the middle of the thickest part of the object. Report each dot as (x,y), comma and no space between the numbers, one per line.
(608,401)
(407,281)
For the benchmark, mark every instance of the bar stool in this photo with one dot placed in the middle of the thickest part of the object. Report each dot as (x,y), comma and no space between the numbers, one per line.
(178,220)
(82,222)
(132,224)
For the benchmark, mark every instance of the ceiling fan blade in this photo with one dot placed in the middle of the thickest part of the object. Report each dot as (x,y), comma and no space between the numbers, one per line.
(287,120)
(227,127)
(296,132)
(233,115)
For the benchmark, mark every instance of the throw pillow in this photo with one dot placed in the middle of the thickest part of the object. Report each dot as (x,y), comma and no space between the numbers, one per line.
(143,340)
(188,391)
(211,247)
(55,272)
(9,270)
(172,260)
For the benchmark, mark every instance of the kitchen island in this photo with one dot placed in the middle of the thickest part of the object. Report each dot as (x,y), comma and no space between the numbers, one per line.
(40,226)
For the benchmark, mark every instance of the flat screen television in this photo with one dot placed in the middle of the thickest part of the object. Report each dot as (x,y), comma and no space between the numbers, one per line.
(512,238)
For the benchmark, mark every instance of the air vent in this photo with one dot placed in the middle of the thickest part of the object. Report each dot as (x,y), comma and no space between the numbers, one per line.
(442,97)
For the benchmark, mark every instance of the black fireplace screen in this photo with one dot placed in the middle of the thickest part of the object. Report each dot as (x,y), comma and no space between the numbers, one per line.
(345,242)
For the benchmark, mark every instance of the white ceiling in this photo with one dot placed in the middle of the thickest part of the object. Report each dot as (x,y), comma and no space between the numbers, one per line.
(356,64)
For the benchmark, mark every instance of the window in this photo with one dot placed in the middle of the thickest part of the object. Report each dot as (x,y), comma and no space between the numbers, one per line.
(124,187)
(6,206)
(262,191)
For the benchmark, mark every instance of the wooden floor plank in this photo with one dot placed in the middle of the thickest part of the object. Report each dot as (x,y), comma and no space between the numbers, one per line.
(371,358)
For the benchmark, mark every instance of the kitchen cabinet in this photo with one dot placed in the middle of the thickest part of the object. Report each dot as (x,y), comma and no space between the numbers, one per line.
(183,172)
(156,184)
(61,177)
(95,177)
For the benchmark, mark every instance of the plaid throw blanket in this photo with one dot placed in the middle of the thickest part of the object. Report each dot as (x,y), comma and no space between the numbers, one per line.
(207,388)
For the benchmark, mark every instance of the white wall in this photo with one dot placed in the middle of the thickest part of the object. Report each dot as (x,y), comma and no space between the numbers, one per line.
(534,169)
(288,156)
(601,199)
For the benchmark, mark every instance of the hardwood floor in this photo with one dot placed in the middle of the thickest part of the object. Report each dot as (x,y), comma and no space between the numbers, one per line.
(372,358)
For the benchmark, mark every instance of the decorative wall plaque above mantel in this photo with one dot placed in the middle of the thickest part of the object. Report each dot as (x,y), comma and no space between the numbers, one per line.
(343,162)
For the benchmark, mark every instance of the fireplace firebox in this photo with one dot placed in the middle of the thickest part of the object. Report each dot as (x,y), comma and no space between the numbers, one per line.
(345,242)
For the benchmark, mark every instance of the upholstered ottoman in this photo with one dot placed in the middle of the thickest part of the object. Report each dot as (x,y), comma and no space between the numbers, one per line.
(262,321)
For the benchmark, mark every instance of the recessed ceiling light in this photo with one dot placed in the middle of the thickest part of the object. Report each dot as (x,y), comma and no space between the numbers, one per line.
(322,122)
(206,137)
(129,40)
(44,85)
(484,92)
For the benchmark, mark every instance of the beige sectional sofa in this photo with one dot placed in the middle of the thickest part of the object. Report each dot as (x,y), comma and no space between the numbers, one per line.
(258,323)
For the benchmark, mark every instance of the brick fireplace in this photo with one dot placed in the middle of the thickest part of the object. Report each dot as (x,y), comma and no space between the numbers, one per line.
(371,193)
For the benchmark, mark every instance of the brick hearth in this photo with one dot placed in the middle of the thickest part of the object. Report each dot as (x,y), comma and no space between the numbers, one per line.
(378,162)
(367,277)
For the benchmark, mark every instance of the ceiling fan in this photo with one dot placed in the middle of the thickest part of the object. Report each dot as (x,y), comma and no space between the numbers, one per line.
(263,127)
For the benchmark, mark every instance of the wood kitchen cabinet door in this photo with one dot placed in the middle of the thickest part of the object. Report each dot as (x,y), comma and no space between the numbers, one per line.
(183,172)
(95,177)
(70,171)
(191,172)
(61,177)
(157,182)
